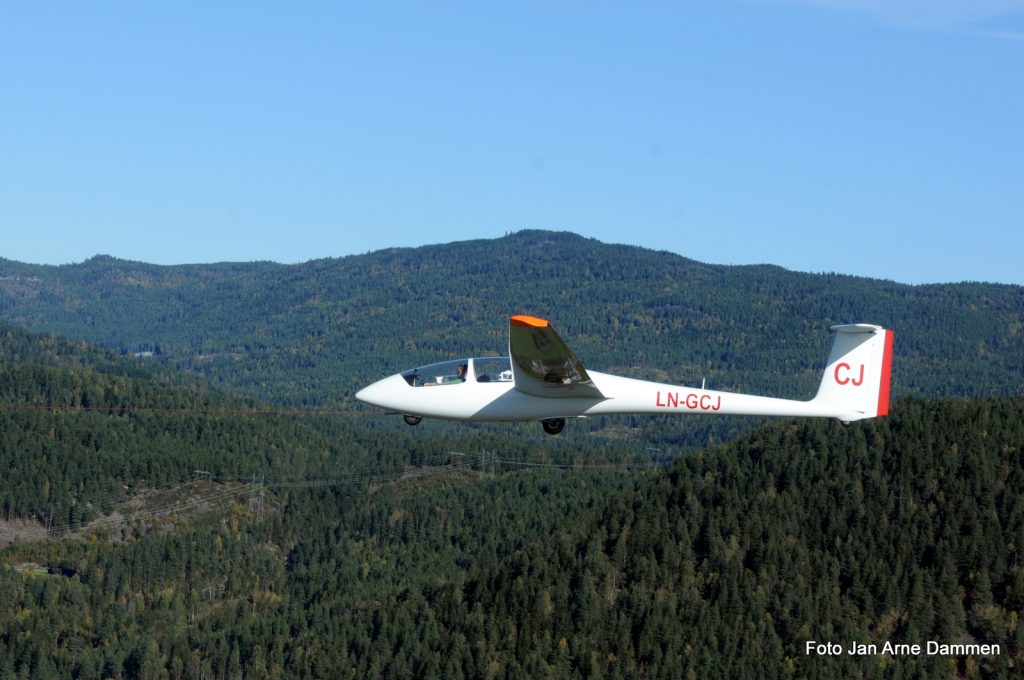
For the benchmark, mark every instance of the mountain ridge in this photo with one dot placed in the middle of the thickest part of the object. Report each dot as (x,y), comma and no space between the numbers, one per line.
(107,259)
(315,332)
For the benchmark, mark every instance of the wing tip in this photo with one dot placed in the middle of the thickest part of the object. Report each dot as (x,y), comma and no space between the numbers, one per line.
(529,321)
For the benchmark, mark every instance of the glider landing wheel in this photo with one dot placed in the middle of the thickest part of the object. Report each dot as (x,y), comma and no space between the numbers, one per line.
(412,420)
(553,425)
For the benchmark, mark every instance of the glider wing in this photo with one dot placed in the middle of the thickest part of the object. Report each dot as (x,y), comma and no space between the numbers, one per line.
(542,364)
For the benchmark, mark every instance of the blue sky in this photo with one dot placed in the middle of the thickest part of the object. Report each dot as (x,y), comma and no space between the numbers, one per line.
(873,137)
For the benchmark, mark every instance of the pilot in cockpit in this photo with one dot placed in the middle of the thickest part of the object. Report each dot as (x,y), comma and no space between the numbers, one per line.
(459,377)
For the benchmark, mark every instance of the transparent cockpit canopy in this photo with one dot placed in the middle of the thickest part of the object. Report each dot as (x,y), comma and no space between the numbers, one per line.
(443,373)
(492,369)
(457,371)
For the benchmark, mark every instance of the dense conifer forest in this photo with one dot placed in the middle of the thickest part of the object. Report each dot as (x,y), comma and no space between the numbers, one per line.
(172,516)
(724,564)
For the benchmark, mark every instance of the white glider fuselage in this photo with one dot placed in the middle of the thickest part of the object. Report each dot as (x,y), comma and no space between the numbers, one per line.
(541,379)
(501,401)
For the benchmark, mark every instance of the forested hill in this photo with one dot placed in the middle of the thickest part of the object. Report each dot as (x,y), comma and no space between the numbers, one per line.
(313,333)
(82,430)
(398,556)
(906,529)
(43,370)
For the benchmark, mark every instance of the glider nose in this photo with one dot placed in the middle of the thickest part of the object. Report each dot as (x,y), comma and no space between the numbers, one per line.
(380,393)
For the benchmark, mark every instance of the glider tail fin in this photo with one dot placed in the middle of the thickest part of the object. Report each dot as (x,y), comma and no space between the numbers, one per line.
(855,384)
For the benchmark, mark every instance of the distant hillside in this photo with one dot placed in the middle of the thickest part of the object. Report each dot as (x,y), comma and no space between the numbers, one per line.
(905,529)
(82,429)
(313,333)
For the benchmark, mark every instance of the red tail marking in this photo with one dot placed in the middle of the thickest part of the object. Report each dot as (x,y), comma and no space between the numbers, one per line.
(883,387)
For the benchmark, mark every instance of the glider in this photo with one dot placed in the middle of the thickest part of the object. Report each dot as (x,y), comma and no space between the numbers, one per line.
(541,379)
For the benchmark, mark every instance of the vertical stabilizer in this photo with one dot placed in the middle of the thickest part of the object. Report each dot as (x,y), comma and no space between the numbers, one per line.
(855,384)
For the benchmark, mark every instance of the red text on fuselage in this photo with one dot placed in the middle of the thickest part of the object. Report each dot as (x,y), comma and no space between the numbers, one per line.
(691,400)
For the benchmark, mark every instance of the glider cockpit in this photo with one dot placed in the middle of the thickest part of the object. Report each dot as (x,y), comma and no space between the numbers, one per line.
(458,371)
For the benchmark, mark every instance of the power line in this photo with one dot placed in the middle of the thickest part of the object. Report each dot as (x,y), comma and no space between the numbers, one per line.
(581,466)
(239,487)
(114,520)
(128,410)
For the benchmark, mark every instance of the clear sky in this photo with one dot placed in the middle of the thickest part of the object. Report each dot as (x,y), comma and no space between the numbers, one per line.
(882,138)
